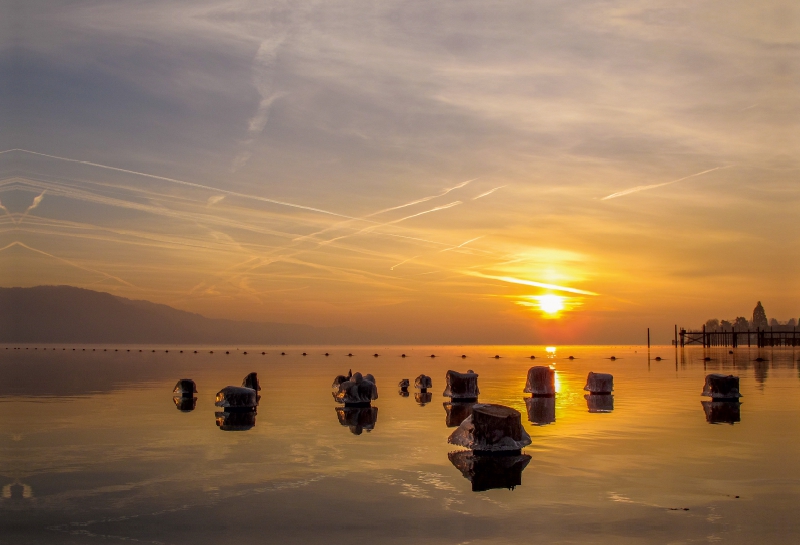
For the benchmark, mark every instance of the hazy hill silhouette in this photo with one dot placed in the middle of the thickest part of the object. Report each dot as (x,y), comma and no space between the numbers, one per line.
(65,314)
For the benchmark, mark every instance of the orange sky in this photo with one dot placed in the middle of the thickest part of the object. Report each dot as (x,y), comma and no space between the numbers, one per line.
(420,173)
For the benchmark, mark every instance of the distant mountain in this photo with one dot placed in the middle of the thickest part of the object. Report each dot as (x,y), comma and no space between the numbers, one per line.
(65,314)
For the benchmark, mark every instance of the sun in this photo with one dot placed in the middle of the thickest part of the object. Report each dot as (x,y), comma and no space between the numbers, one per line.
(551,304)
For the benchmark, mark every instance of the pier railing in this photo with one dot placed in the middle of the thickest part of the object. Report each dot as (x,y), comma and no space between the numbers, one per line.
(734,338)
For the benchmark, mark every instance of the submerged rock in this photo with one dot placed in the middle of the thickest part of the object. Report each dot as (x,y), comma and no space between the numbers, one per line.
(599,403)
(251,381)
(541,381)
(541,410)
(359,390)
(457,412)
(357,419)
(185,404)
(720,386)
(722,412)
(235,397)
(185,387)
(491,428)
(235,420)
(490,472)
(423,398)
(462,385)
(599,383)
(423,382)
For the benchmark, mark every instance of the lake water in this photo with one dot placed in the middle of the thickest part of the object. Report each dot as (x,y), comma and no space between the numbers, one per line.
(93,450)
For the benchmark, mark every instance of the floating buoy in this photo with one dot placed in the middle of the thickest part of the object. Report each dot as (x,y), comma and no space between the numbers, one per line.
(375,355)
(496,357)
(708,358)
(658,358)
(327,354)
(227,352)
(612,358)
(305,354)
(349,355)
(283,353)
(245,353)
(571,357)
(433,355)
(760,359)
(402,355)
(463,356)
(533,357)
(263,353)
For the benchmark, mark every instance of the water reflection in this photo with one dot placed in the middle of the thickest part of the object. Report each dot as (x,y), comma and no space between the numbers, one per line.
(599,403)
(541,410)
(722,412)
(185,404)
(232,420)
(357,419)
(457,412)
(17,492)
(487,472)
(423,398)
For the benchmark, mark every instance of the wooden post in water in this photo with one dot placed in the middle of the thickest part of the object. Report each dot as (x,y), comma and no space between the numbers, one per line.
(704,336)
(676,334)
(648,339)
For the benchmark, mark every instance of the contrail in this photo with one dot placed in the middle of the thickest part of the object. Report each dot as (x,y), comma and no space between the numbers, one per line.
(513,280)
(461,245)
(405,261)
(372,227)
(35,203)
(183,182)
(215,199)
(487,193)
(646,187)
(67,261)
(412,203)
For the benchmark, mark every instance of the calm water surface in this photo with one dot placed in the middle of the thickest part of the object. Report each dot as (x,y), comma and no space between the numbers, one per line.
(93,450)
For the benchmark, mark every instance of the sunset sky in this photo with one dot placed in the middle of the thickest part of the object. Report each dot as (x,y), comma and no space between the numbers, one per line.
(450,171)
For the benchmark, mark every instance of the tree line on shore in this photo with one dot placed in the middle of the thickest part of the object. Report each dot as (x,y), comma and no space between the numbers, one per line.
(759,321)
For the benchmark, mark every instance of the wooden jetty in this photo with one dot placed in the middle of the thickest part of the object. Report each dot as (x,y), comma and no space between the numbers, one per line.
(760,337)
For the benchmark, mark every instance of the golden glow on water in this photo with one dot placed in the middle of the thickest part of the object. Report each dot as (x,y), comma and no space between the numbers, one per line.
(550,350)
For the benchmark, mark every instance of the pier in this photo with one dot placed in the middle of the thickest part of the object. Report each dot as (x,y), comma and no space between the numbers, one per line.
(759,337)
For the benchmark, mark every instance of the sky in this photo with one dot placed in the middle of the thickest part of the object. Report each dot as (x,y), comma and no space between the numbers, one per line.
(423,172)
